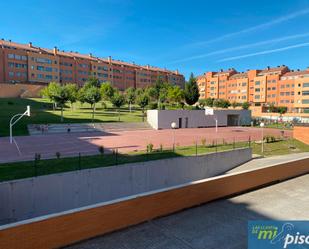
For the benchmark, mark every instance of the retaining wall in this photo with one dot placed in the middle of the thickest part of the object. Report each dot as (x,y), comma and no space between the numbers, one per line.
(33,197)
(58,230)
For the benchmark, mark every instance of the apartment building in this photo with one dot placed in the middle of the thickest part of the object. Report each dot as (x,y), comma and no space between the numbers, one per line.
(26,63)
(277,86)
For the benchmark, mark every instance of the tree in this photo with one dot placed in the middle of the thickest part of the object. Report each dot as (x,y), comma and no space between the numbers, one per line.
(191,91)
(91,95)
(209,102)
(234,104)
(51,91)
(73,93)
(245,105)
(142,100)
(282,109)
(107,91)
(61,97)
(118,100)
(130,97)
(93,81)
(175,94)
(221,103)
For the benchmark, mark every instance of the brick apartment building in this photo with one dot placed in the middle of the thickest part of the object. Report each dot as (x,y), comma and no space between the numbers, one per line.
(278,85)
(26,63)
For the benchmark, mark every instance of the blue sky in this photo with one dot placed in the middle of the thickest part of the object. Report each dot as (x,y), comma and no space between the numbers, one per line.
(192,36)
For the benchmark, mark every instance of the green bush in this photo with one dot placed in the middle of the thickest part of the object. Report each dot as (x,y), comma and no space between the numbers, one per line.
(149,147)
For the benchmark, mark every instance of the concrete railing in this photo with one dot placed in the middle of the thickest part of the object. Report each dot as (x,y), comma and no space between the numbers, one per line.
(61,229)
(33,197)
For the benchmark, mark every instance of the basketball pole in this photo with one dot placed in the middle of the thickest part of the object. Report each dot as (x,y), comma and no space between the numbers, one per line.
(26,113)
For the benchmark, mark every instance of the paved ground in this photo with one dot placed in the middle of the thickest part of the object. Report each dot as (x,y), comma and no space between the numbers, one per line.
(219,224)
(125,141)
(263,162)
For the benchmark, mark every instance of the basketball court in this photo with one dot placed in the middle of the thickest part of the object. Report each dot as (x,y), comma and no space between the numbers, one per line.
(125,141)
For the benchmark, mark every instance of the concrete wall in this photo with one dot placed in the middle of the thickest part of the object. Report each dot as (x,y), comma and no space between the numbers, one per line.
(32,197)
(301,133)
(162,119)
(65,228)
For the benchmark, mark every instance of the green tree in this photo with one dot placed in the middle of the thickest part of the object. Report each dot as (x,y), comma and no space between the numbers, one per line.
(93,81)
(130,96)
(234,104)
(61,98)
(91,95)
(175,94)
(245,105)
(221,103)
(209,102)
(191,91)
(107,91)
(73,93)
(142,100)
(118,100)
(282,109)
(50,92)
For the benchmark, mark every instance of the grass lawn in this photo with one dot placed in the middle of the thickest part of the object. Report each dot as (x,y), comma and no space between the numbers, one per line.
(42,113)
(10,171)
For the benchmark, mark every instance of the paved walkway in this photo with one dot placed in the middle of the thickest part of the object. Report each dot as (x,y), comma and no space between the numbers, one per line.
(124,141)
(217,225)
(268,161)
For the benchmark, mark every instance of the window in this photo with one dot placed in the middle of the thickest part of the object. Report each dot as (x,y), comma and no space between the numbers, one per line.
(257,89)
(305,93)
(11,56)
(11,64)
(11,74)
(49,77)
(257,83)
(305,101)
(40,76)
(257,96)
(305,84)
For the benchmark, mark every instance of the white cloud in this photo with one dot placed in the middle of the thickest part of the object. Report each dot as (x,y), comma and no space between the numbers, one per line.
(305,44)
(255,28)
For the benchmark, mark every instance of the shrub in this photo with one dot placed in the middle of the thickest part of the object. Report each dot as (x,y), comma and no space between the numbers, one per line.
(203,141)
(153,105)
(37,156)
(269,139)
(149,147)
(58,154)
(10,103)
(161,147)
(101,150)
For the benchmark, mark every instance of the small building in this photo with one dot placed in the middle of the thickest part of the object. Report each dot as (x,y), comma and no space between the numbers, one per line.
(162,119)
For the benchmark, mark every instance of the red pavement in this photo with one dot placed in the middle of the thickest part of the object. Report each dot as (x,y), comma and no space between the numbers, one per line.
(125,141)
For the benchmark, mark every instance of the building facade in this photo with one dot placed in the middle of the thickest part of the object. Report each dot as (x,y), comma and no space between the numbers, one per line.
(278,86)
(26,63)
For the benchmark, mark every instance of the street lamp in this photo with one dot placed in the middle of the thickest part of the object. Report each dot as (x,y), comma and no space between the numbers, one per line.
(262,126)
(174,126)
(26,113)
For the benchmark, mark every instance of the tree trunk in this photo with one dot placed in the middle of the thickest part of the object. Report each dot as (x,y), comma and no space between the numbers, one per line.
(61,114)
(93,110)
(118,115)
(143,114)
(130,105)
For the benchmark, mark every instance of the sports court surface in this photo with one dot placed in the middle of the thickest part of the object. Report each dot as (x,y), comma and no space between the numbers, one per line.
(125,141)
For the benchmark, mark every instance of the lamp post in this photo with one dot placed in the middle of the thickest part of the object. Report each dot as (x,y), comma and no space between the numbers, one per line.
(13,122)
(174,126)
(262,127)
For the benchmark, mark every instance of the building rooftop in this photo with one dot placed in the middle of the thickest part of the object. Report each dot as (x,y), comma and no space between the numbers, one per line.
(239,76)
(31,48)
